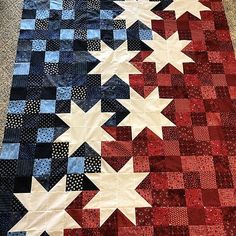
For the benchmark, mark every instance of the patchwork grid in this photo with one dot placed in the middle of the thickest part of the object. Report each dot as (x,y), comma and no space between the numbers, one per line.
(191,185)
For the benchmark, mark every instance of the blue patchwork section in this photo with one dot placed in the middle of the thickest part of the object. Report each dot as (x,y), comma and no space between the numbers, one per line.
(47,106)
(42,167)
(52,69)
(67,34)
(21,69)
(27,24)
(64,93)
(10,151)
(45,135)
(75,165)
(16,107)
(52,56)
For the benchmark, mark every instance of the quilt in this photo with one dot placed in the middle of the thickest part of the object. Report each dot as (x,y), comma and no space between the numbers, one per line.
(121,121)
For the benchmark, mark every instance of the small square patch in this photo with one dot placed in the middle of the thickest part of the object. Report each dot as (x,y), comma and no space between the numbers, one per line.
(120,34)
(52,56)
(47,106)
(42,167)
(67,34)
(21,68)
(42,14)
(10,151)
(68,14)
(106,14)
(16,107)
(56,4)
(64,93)
(93,34)
(75,165)
(39,45)
(27,24)
(45,135)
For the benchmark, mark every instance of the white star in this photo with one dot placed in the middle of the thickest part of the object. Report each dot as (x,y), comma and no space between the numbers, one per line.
(167,51)
(85,127)
(114,62)
(46,210)
(192,6)
(145,112)
(117,191)
(137,10)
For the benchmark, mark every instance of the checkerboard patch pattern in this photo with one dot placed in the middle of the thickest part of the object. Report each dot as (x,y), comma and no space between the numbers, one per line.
(121,120)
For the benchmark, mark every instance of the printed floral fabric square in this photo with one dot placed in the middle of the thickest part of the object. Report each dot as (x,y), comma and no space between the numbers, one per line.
(121,121)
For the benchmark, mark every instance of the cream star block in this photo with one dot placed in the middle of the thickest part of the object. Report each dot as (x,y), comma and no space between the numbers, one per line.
(46,210)
(145,112)
(114,62)
(85,127)
(117,191)
(192,6)
(167,51)
(137,10)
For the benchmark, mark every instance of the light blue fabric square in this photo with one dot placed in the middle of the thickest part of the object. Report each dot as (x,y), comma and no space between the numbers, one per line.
(145,34)
(16,107)
(47,106)
(10,151)
(106,14)
(64,93)
(120,34)
(45,135)
(75,165)
(52,56)
(42,14)
(56,4)
(67,34)
(39,45)
(42,167)
(21,68)
(68,14)
(93,34)
(27,24)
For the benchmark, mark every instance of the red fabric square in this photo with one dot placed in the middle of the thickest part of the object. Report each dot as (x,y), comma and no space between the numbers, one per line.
(210,197)
(213,216)
(196,216)
(175,180)
(161,216)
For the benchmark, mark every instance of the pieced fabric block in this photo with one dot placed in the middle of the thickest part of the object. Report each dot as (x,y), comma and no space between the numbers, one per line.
(121,120)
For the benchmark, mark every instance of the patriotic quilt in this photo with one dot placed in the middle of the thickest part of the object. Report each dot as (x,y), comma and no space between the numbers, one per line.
(121,121)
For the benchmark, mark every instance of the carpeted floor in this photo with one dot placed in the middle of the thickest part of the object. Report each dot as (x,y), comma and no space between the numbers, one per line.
(10,14)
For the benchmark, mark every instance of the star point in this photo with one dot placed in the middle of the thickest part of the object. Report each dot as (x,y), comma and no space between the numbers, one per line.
(85,127)
(167,51)
(137,10)
(46,210)
(145,112)
(114,62)
(121,194)
(194,7)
